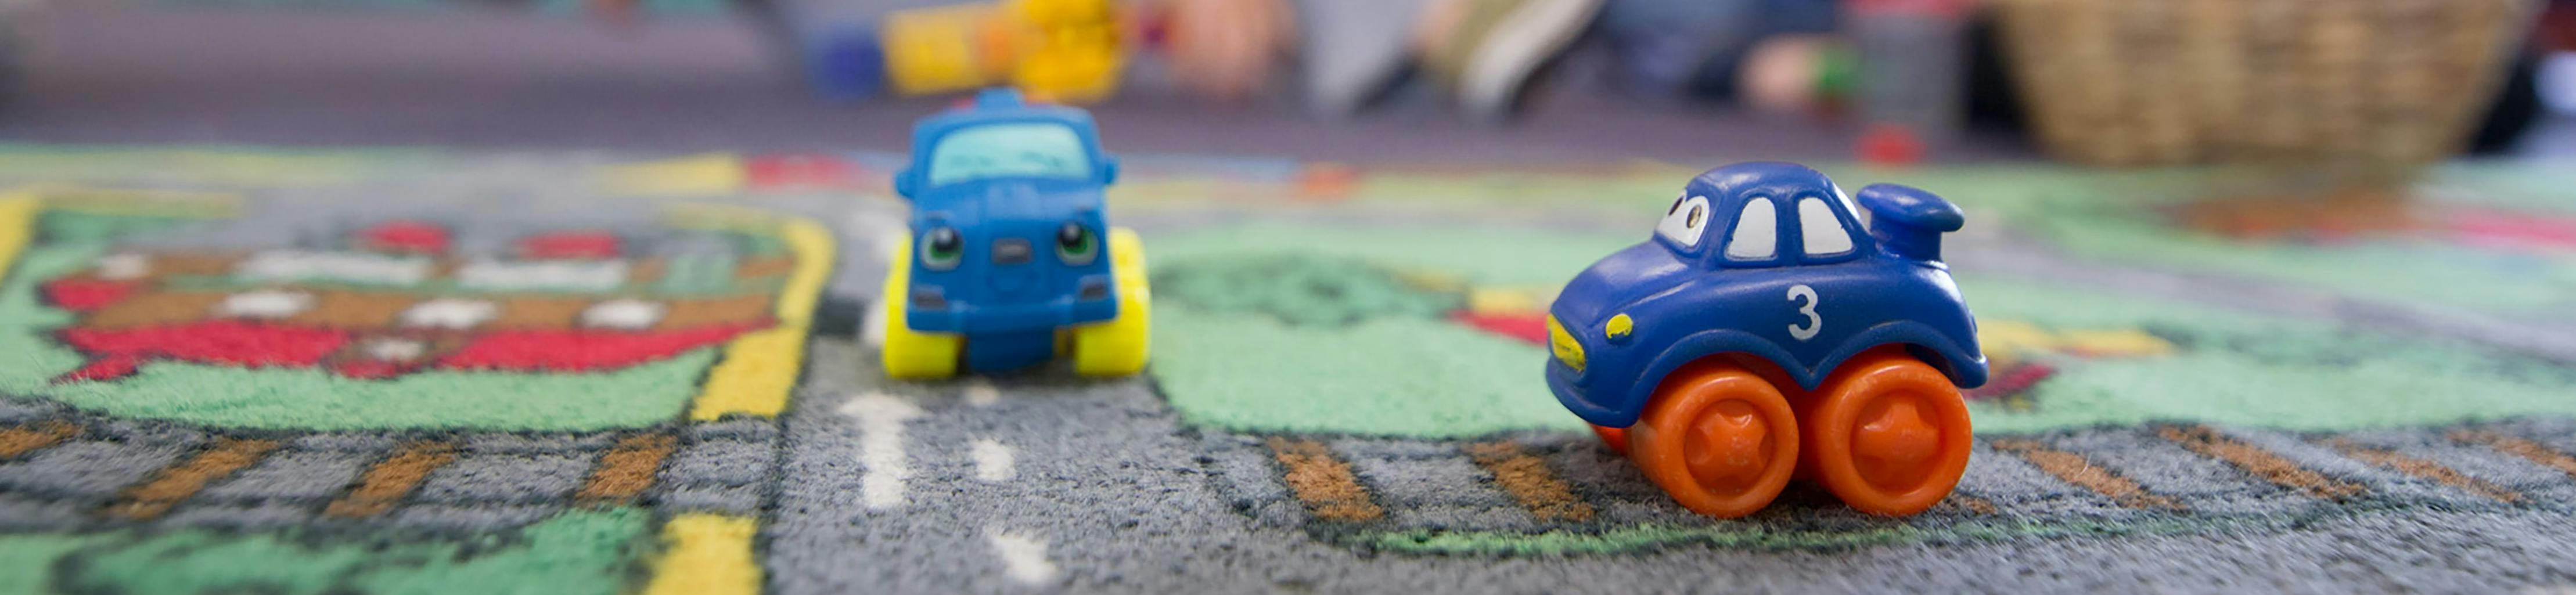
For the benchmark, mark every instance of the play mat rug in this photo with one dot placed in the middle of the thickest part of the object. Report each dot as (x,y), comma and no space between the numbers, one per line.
(403,371)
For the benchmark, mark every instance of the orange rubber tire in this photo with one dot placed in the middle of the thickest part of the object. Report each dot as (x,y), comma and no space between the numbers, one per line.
(1887,433)
(1615,438)
(1719,439)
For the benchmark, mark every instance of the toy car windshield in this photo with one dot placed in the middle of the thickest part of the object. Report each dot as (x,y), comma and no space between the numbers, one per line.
(1021,150)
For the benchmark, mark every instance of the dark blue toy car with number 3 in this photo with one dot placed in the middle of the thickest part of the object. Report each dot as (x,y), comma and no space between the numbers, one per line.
(1772,329)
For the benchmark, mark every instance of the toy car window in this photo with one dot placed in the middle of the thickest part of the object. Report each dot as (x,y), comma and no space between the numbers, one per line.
(1683,223)
(1041,150)
(1858,213)
(1822,232)
(1757,232)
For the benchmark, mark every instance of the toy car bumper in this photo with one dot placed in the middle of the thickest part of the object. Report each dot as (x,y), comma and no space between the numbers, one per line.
(1562,381)
(1012,318)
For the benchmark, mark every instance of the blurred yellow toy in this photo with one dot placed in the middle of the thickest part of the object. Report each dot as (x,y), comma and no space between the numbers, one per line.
(1053,50)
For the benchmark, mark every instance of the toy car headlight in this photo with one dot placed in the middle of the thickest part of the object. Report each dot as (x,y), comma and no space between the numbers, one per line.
(1562,344)
(1618,329)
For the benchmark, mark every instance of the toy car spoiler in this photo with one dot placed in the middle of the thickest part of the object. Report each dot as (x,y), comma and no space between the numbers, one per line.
(1908,222)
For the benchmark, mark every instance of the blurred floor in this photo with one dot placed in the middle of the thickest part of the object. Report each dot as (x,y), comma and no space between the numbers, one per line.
(109,74)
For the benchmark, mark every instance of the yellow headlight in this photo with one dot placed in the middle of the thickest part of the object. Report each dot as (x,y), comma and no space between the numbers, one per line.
(1563,345)
(1618,327)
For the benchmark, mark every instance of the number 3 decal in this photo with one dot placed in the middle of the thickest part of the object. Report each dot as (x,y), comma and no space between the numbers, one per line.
(1807,295)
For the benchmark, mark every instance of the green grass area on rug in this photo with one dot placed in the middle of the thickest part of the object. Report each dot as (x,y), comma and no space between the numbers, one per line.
(2396,270)
(2119,218)
(1481,255)
(1397,376)
(2245,369)
(574,553)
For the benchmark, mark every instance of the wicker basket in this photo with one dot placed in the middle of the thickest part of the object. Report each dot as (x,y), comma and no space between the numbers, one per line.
(2140,82)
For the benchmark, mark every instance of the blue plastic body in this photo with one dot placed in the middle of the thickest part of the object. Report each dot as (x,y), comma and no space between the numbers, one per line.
(1804,305)
(1017,175)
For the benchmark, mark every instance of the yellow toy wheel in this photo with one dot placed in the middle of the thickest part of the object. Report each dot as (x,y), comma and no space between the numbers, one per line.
(1119,347)
(911,354)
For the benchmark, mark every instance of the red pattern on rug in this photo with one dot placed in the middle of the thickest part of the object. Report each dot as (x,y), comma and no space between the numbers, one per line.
(116,353)
(584,350)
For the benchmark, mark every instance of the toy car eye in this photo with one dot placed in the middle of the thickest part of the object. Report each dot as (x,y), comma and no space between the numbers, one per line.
(942,249)
(1076,244)
(1683,223)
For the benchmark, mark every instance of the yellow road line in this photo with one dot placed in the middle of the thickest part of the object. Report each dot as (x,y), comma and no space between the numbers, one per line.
(709,174)
(706,554)
(17,226)
(759,368)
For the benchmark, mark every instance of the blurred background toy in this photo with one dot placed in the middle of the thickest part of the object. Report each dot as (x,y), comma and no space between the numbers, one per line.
(1348,55)
(1484,52)
(1053,50)
(1222,50)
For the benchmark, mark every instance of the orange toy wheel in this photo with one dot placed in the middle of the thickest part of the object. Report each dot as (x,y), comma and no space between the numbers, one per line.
(1719,439)
(1615,438)
(1887,433)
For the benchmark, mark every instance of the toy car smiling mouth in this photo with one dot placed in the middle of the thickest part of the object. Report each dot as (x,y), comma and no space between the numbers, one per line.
(1770,329)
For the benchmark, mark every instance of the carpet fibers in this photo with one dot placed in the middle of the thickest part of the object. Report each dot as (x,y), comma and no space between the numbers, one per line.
(396,371)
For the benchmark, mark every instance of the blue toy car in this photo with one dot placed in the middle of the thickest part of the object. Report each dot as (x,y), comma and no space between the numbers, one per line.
(1770,328)
(1010,262)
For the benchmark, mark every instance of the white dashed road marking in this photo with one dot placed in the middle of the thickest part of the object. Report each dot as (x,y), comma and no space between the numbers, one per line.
(1023,557)
(981,393)
(396,350)
(526,275)
(622,314)
(881,417)
(449,313)
(872,326)
(992,461)
(265,303)
(122,267)
(299,265)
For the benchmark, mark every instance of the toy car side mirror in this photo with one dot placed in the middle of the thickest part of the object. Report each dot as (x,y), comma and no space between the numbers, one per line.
(906,182)
(1908,222)
(1108,170)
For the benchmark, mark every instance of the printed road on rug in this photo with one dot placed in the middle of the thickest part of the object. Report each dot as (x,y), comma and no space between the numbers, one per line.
(419,371)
